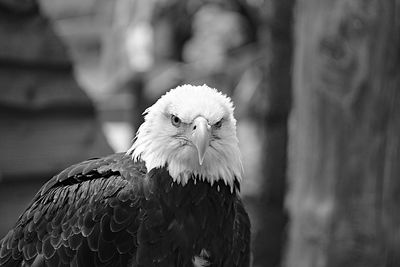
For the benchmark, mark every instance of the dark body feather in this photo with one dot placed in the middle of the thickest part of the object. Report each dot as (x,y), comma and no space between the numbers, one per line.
(110,212)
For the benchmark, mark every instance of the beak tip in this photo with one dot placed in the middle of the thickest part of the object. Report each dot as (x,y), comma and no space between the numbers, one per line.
(201,159)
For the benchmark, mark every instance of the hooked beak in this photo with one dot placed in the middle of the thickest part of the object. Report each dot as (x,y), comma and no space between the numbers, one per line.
(200,136)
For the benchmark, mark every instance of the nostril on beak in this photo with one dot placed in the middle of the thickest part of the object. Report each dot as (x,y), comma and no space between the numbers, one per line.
(194,127)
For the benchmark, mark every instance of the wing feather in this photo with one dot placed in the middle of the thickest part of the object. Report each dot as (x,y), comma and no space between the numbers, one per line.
(241,242)
(85,215)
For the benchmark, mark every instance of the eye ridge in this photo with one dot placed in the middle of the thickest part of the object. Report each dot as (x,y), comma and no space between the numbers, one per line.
(176,121)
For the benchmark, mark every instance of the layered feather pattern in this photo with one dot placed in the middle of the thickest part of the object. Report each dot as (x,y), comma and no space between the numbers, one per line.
(111,212)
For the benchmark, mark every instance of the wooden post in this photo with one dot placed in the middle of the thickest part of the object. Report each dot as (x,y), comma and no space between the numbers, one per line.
(270,108)
(47,122)
(344,149)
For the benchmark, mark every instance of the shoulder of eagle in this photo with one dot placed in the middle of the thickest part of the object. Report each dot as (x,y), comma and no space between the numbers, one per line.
(90,214)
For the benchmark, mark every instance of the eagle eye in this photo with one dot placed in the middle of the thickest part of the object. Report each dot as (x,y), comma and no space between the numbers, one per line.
(218,124)
(176,121)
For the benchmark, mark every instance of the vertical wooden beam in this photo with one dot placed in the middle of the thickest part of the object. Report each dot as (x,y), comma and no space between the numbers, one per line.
(344,149)
(47,121)
(271,109)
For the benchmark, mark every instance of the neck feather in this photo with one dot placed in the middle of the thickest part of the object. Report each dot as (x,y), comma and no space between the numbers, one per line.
(220,163)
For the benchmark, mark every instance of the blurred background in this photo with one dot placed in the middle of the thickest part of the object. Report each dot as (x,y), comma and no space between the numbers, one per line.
(316,84)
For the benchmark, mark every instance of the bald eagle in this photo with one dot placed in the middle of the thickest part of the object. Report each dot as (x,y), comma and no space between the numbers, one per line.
(171,200)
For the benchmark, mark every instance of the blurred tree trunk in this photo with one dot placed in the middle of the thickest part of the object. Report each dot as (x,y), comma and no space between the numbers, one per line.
(344,197)
(271,108)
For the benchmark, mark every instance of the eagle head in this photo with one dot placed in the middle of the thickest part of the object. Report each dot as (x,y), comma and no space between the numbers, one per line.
(192,131)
